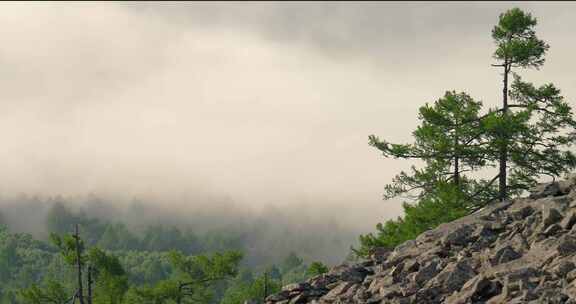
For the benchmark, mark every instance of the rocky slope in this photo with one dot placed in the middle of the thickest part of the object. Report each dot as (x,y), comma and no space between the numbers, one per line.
(521,251)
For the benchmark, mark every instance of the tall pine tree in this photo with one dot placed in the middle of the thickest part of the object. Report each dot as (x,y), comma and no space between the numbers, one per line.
(532,128)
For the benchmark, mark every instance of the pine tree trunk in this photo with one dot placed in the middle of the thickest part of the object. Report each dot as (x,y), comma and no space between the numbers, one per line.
(504,149)
(79,266)
(456,157)
(456,172)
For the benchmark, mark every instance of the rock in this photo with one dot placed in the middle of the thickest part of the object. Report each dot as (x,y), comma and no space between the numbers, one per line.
(428,295)
(390,291)
(571,199)
(495,208)
(518,243)
(355,273)
(567,246)
(338,290)
(552,230)
(393,261)
(505,255)
(299,299)
(477,290)
(397,273)
(569,220)
(458,237)
(322,280)
(553,297)
(543,190)
(296,287)
(277,297)
(496,226)
(349,294)
(314,293)
(550,216)
(361,295)
(380,254)
(523,213)
(570,276)
(404,247)
(565,186)
(484,235)
(564,268)
(455,275)
(411,266)
(431,269)
(517,251)
(522,273)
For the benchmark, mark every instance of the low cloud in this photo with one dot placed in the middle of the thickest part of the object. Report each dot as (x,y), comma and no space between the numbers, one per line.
(262,103)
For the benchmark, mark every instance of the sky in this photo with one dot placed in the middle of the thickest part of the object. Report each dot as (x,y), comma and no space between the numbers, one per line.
(264,103)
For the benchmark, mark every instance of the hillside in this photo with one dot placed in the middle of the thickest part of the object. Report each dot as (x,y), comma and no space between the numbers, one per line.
(519,251)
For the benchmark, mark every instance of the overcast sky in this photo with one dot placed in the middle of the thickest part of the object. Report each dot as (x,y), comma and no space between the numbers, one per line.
(261,102)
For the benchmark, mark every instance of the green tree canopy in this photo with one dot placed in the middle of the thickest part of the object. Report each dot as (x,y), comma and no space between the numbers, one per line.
(192,280)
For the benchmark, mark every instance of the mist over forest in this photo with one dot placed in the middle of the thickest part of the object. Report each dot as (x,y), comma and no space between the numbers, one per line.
(267,235)
(204,152)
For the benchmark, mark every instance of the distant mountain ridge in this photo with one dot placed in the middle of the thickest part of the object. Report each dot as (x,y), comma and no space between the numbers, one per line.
(518,251)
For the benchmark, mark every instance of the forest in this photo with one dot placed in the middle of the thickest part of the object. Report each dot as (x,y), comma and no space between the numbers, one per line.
(129,265)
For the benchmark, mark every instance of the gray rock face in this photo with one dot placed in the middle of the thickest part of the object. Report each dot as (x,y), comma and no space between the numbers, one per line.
(519,251)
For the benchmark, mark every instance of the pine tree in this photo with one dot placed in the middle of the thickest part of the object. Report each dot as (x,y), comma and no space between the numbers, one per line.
(533,127)
(517,47)
(93,268)
(449,142)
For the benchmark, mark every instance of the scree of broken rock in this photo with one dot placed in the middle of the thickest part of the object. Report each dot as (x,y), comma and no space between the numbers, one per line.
(518,251)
